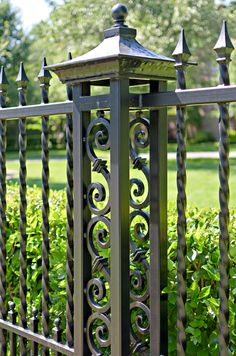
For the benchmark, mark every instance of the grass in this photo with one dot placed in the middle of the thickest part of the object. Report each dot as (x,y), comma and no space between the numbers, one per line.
(200,147)
(202,182)
(202,178)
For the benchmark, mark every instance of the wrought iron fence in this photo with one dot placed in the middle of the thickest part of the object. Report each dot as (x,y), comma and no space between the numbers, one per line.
(116,230)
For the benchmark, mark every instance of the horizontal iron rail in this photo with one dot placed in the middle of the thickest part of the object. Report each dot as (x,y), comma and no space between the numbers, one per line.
(40,339)
(188,97)
(36,110)
(201,96)
(103,102)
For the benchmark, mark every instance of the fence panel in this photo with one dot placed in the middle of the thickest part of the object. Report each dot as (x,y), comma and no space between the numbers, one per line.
(116,202)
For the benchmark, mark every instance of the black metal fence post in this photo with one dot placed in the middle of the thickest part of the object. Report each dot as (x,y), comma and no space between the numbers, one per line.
(82,260)
(158,227)
(119,193)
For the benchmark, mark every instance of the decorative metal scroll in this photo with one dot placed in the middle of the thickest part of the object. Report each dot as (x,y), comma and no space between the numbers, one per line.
(98,237)
(139,235)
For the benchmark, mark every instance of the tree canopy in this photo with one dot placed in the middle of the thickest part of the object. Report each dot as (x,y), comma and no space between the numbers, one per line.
(78,26)
(14,45)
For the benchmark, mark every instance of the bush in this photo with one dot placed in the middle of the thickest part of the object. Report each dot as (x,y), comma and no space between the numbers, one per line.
(202,281)
(57,237)
(232,136)
(201,137)
(202,267)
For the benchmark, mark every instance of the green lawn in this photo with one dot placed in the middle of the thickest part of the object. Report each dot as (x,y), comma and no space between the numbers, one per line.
(200,147)
(202,182)
(202,179)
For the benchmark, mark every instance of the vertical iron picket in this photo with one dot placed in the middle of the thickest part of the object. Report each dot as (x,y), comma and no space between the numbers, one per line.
(57,333)
(70,224)
(12,314)
(44,78)
(34,327)
(22,81)
(3,309)
(181,55)
(223,48)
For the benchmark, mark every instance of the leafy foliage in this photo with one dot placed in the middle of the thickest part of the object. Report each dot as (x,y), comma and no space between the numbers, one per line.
(202,267)
(77,27)
(14,44)
(202,281)
(57,238)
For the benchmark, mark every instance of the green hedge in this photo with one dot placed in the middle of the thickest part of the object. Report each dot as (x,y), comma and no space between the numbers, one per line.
(202,267)
(202,281)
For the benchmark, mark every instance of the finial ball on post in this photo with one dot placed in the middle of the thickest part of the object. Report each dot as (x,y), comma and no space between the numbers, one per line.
(119,14)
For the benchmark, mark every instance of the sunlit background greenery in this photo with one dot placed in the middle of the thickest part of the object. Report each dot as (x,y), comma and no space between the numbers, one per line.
(77,27)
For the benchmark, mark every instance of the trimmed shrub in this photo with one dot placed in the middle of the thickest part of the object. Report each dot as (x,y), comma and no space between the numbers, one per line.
(202,281)
(202,267)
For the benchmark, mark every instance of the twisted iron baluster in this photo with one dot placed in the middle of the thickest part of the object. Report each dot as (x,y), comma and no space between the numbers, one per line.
(69,226)
(22,82)
(3,309)
(44,78)
(223,49)
(181,55)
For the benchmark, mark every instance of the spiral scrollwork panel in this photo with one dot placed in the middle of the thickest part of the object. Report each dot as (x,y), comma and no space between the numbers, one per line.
(139,142)
(139,234)
(98,235)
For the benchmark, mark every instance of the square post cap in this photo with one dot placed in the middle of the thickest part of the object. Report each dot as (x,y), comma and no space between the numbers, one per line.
(118,55)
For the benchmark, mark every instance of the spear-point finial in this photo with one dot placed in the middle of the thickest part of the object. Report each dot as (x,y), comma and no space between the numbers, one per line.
(181,53)
(3,77)
(57,331)
(35,313)
(58,323)
(12,312)
(224,46)
(22,79)
(68,86)
(44,74)
(44,79)
(119,14)
(3,87)
(22,82)
(11,306)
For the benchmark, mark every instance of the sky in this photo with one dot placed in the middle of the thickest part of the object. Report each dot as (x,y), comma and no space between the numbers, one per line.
(32,11)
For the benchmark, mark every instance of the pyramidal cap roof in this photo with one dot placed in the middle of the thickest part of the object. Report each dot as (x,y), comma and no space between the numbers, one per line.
(118,54)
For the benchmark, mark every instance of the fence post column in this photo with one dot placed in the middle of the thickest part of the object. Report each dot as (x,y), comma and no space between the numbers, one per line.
(82,178)
(119,194)
(117,232)
(158,226)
